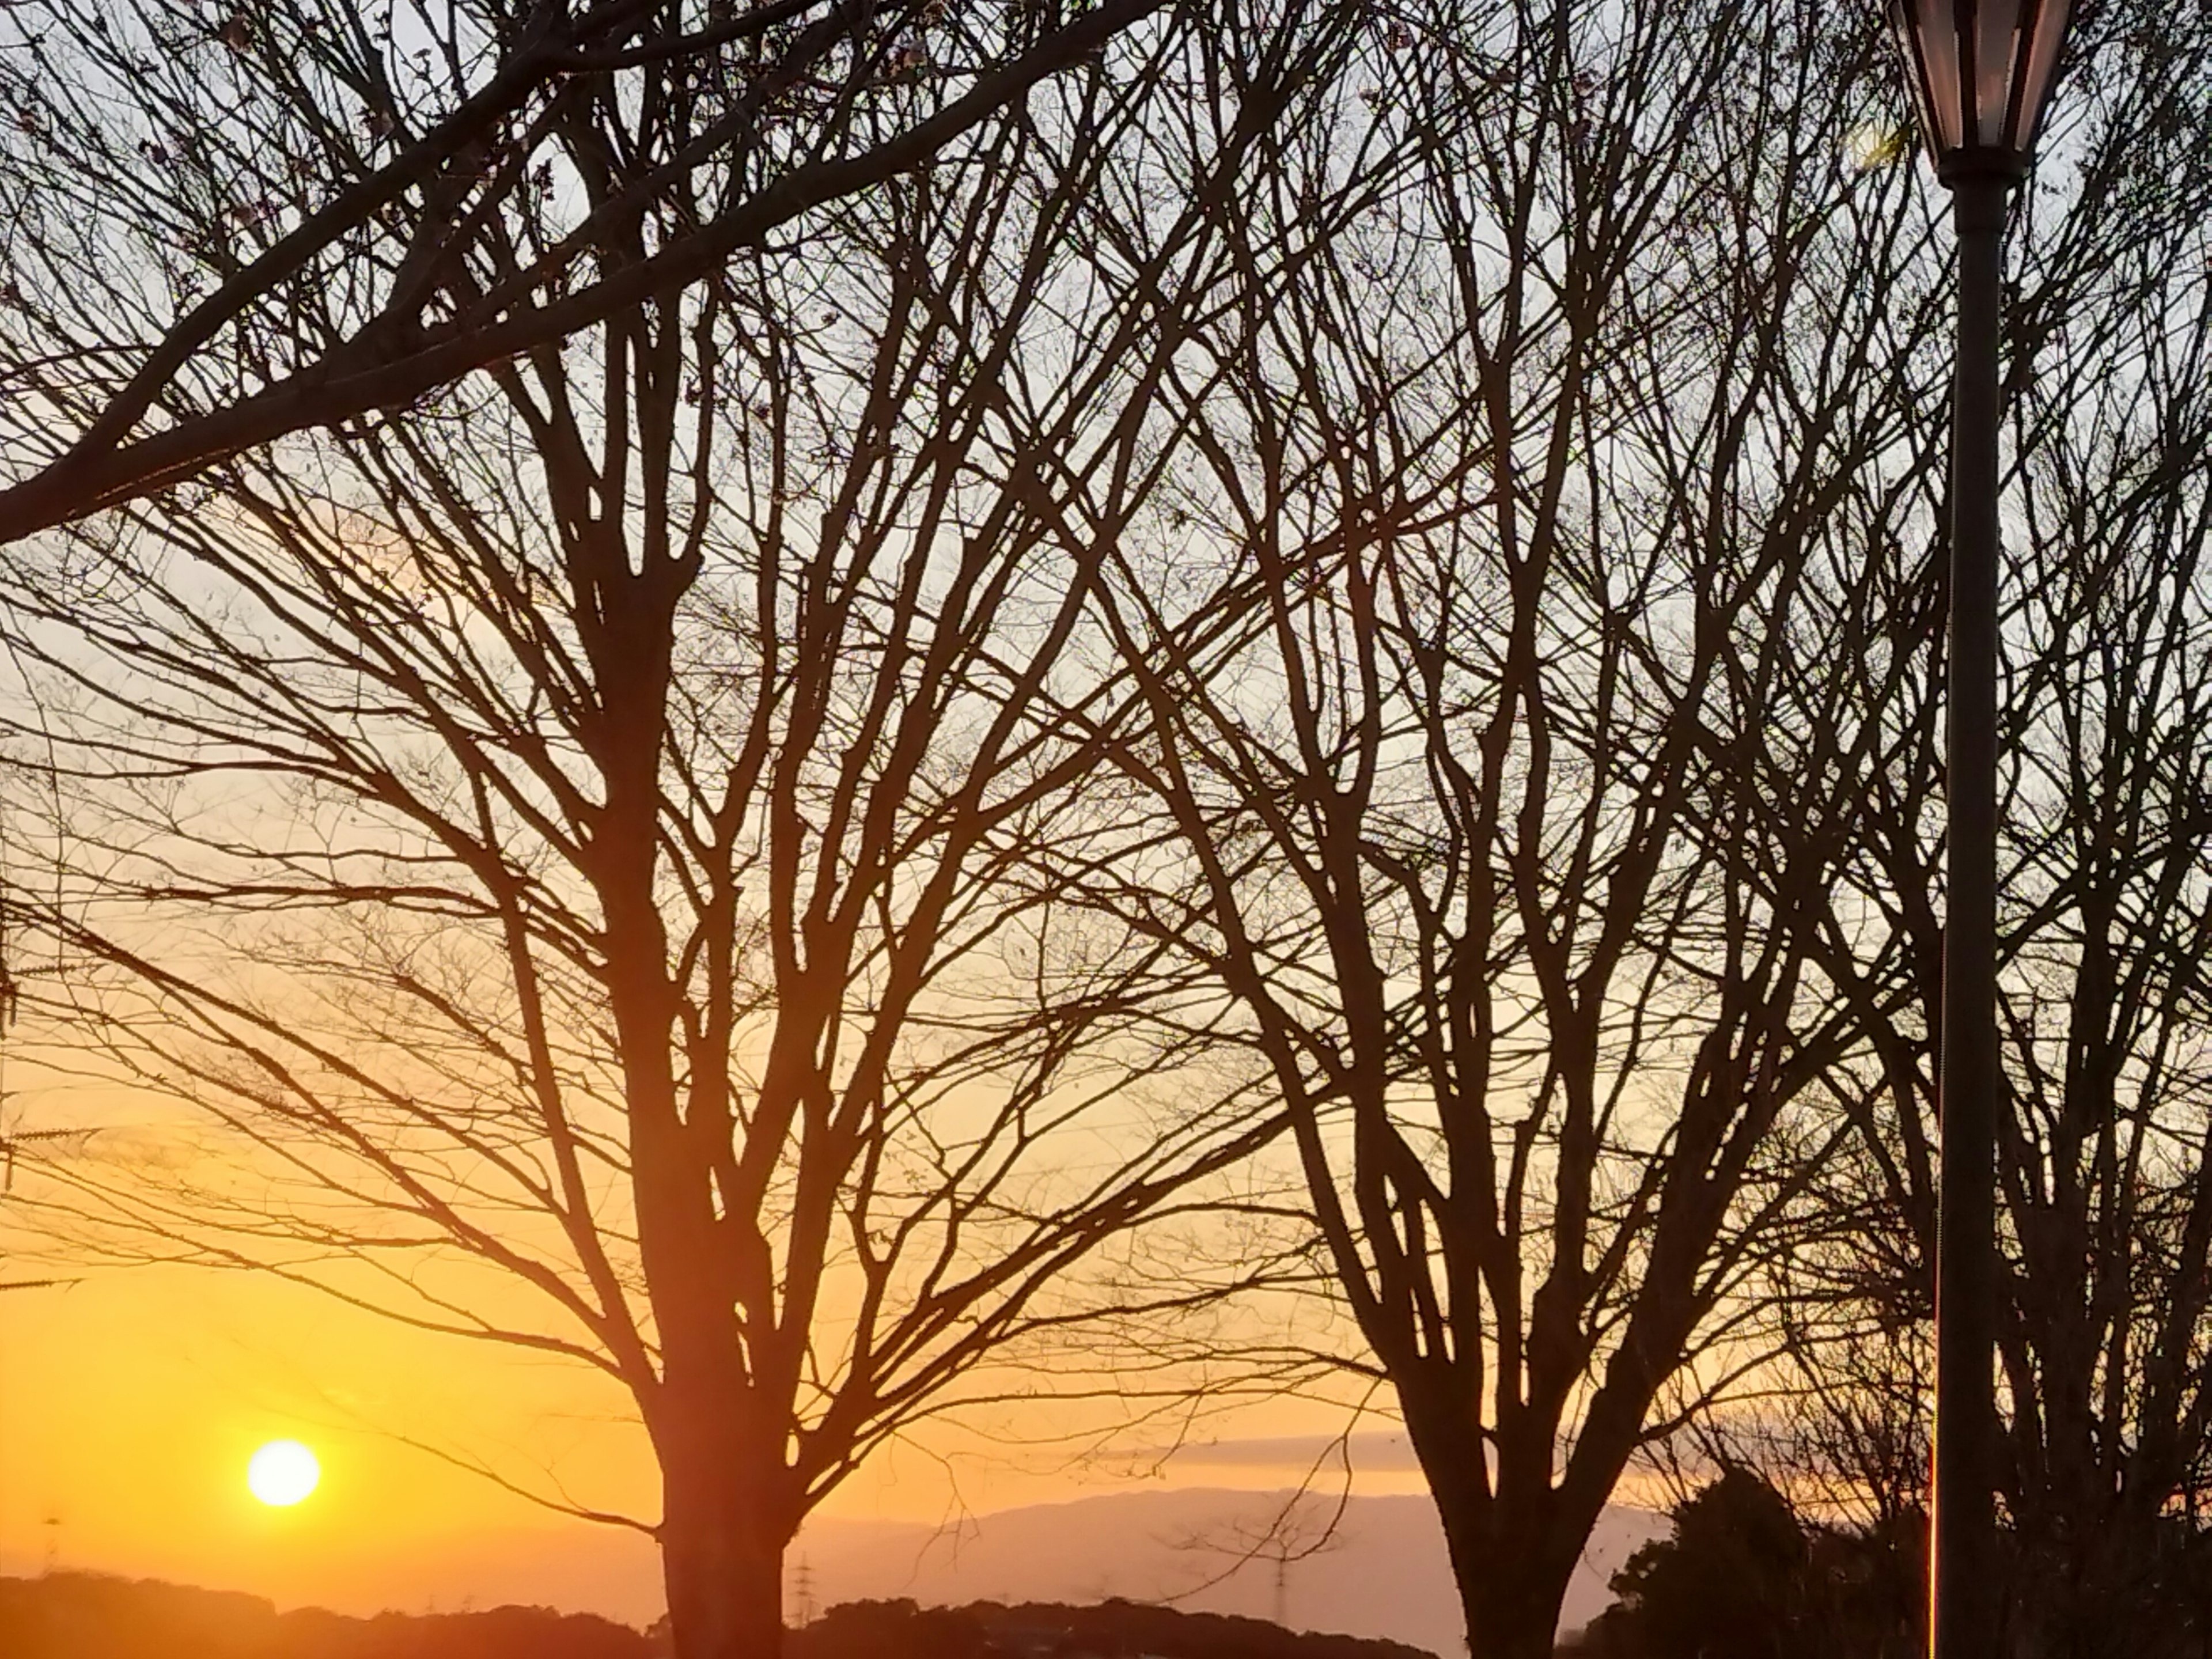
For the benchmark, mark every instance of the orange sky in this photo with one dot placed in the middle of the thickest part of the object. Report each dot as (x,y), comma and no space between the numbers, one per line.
(130,1404)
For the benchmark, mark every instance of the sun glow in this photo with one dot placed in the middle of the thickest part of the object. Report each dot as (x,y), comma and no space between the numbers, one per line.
(1871,144)
(283,1473)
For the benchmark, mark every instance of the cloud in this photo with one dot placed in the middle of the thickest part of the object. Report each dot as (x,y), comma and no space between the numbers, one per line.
(1376,1452)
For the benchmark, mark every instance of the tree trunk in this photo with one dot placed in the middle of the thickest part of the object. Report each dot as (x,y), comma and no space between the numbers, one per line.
(1512,1582)
(722,1561)
(1512,1607)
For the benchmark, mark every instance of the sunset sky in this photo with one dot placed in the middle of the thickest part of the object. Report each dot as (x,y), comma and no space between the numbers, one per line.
(130,1403)
(938,802)
(129,1406)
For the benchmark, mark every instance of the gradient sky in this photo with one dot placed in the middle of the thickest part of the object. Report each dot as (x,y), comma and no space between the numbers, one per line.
(129,1403)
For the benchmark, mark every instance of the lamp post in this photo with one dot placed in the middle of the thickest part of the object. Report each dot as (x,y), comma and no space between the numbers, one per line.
(1981,71)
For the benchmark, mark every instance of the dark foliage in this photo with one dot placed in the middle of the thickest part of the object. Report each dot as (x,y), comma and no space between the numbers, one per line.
(1745,1577)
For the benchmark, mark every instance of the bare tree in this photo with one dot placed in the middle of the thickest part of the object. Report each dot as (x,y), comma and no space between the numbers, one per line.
(2107,1350)
(230,222)
(1525,478)
(2109,815)
(584,838)
(2107,809)
(30,1143)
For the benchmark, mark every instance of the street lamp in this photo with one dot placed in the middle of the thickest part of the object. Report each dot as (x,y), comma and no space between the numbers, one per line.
(1981,72)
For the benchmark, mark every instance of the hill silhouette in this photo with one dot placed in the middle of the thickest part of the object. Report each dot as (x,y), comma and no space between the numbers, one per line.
(1054,1629)
(1385,1572)
(82,1615)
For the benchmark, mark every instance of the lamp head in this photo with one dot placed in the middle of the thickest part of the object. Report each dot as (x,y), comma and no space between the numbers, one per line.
(1981,73)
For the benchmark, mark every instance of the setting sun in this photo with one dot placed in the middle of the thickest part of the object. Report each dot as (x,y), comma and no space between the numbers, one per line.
(283,1473)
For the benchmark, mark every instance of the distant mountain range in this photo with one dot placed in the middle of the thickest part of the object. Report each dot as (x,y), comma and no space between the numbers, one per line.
(1382,1573)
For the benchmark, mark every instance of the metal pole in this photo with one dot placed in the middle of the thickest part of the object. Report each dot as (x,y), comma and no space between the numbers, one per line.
(1964,1606)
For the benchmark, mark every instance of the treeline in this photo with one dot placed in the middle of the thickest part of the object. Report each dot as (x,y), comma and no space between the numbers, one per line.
(77,1615)
(1746,1575)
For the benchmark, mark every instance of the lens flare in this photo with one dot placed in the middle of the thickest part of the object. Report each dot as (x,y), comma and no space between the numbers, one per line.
(1871,144)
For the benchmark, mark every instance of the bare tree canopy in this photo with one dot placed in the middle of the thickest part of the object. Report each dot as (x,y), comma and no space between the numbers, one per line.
(2103,918)
(748,692)
(1524,477)
(229,223)
(2105,925)
(585,835)
(1573,488)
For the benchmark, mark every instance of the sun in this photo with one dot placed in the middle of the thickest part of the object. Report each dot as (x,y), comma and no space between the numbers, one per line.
(282,1472)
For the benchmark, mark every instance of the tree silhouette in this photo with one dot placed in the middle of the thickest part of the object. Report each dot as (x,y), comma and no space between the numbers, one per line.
(231,223)
(1522,475)
(582,840)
